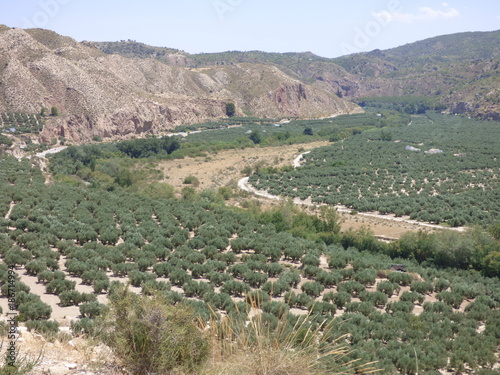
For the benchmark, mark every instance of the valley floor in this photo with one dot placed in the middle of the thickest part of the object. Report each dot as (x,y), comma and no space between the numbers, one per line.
(224,169)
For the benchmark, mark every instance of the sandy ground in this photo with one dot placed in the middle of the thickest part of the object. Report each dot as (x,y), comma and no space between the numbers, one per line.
(224,168)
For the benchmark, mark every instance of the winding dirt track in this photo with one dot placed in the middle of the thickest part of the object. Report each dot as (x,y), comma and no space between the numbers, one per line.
(245,185)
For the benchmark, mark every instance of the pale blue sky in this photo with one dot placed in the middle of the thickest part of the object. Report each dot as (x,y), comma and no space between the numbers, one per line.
(328,28)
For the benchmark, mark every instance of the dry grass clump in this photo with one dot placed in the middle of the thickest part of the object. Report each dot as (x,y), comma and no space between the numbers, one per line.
(266,346)
(16,363)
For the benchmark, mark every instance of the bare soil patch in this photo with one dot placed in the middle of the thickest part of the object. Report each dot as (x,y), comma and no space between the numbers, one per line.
(224,168)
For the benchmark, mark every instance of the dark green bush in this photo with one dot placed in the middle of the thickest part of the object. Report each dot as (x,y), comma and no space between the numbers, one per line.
(401,278)
(312,288)
(84,326)
(34,310)
(92,309)
(44,327)
(388,287)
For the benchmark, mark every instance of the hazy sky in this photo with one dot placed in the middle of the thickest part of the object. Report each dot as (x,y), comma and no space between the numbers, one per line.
(328,28)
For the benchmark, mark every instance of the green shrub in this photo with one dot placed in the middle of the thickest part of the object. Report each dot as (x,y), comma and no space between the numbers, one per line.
(70,298)
(151,287)
(149,335)
(329,279)
(34,310)
(255,279)
(365,308)
(92,309)
(366,276)
(300,300)
(437,307)
(347,273)
(101,286)
(441,285)
(137,278)
(84,326)
(322,308)
(273,269)
(312,288)
(291,277)
(235,288)
(191,180)
(247,170)
(450,298)
(255,298)
(276,288)
(311,271)
(399,306)
(388,287)
(401,278)
(337,261)
(34,267)
(377,298)
(230,109)
(422,287)
(44,327)
(412,297)
(354,288)
(196,289)
(218,278)
(341,299)
(57,286)
(275,308)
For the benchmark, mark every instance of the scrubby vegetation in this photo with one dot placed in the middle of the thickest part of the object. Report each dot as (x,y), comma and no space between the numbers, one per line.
(150,335)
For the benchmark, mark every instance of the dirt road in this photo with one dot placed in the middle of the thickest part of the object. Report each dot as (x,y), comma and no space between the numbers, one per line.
(246,186)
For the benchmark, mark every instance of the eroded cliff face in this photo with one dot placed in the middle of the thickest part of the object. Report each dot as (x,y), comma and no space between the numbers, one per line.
(113,96)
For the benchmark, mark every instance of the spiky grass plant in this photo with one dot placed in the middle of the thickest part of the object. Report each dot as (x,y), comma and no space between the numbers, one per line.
(266,345)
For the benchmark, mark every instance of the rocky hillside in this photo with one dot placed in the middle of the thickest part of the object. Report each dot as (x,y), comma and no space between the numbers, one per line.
(460,71)
(99,94)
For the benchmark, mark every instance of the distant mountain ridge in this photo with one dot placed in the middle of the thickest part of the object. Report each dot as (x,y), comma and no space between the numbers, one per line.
(469,45)
(118,89)
(460,70)
(104,95)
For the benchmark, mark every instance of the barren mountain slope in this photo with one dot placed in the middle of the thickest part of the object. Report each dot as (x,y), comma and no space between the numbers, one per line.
(460,71)
(110,95)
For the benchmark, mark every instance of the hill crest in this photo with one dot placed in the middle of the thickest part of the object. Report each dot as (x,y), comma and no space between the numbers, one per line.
(104,95)
(458,70)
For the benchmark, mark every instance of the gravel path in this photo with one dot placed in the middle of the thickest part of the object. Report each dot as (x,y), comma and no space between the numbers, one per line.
(298,160)
(51,151)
